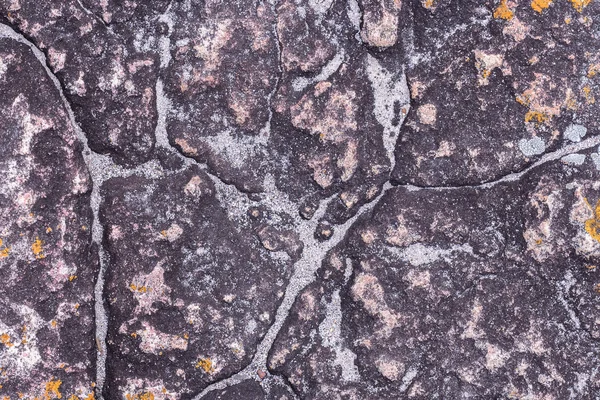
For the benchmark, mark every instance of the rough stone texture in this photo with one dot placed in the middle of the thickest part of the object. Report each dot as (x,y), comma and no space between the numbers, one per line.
(189,292)
(108,71)
(47,262)
(299,199)
(315,134)
(494,85)
(470,292)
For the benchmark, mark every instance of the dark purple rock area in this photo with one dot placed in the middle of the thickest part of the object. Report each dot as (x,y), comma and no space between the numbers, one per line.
(299,199)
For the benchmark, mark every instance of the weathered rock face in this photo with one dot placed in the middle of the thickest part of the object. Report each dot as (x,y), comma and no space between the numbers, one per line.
(251,390)
(47,262)
(299,199)
(493,86)
(108,71)
(189,292)
(484,292)
(321,117)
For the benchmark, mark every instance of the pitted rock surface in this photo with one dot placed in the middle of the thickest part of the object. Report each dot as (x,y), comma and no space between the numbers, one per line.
(523,71)
(47,261)
(299,199)
(189,293)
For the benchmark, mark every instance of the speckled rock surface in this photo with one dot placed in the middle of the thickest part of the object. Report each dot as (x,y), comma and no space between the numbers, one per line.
(299,199)
(189,292)
(47,262)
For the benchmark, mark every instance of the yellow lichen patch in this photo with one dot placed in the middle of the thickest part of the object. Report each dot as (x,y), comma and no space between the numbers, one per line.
(427,3)
(37,249)
(206,364)
(579,5)
(592,225)
(5,340)
(590,267)
(540,5)
(535,116)
(589,97)
(48,230)
(593,70)
(141,289)
(142,396)
(53,323)
(90,396)
(597,288)
(523,100)
(571,101)
(4,252)
(52,388)
(72,278)
(503,12)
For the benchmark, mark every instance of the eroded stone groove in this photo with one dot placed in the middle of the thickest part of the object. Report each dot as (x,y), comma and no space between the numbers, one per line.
(299,199)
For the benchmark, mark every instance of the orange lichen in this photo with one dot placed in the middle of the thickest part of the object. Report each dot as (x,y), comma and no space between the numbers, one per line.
(593,70)
(5,340)
(589,97)
(52,388)
(540,5)
(592,225)
(37,249)
(133,335)
(579,5)
(53,323)
(597,288)
(503,12)
(523,100)
(142,396)
(590,267)
(427,3)
(141,289)
(535,116)
(4,252)
(48,230)
(571,101)
(90,396)
(206,364)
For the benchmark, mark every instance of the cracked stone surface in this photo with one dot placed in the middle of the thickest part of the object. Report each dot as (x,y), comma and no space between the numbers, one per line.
(47,261)
(299,199)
